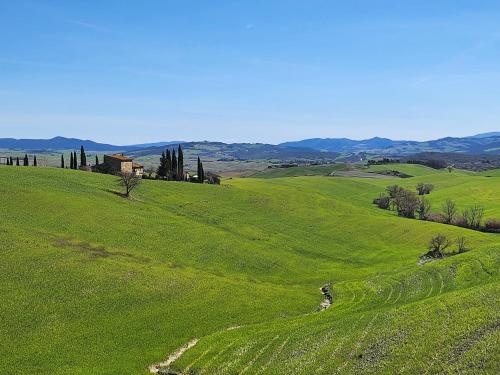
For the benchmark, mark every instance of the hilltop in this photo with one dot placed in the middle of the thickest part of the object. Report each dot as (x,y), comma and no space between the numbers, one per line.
(94,283)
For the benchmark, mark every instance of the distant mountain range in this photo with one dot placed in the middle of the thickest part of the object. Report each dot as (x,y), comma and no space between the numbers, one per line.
(487,143)
(316,148)
(62,143)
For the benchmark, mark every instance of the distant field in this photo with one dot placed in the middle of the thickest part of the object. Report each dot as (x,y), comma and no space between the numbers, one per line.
(96,284)
(310,170)
(491,173)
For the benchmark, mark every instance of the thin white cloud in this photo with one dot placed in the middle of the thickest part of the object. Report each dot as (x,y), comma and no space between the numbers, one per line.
(88,25)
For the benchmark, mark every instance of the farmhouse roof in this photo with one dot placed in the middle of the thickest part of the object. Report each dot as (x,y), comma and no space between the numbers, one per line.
(120,157)
(136,166)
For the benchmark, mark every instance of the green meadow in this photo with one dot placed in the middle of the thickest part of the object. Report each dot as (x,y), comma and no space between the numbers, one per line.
(93,283)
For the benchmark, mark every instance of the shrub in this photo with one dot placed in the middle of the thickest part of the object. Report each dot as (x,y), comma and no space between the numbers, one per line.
(382,201)
(423,189)
(436,217)
(492,225)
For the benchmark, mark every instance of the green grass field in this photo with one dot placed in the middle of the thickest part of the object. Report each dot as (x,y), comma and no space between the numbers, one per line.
(310,170)
(96,284)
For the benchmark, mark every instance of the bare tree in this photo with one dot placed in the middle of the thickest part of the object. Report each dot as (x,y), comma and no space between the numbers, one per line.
(462,245)
(438,245)
(423,209)
(407,203)
(129,181)
(449,210)
(473,216)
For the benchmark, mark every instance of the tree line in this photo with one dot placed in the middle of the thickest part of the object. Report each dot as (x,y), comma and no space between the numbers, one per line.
(410,205)
(26,162)
(73,159)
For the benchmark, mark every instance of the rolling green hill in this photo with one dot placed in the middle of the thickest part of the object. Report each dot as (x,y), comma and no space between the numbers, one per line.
(96,284)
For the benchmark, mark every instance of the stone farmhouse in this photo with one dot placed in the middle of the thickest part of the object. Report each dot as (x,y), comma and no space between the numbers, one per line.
(119,163)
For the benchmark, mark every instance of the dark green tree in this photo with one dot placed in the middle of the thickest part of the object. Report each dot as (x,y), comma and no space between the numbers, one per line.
(71,161)
(168,165)
(62,161)
(161,171)
(96,160)
(26,161)
(201,172)
(35,164)
(75,161)
(11,161)
(8,161)
(180,164)
(17,161)
(174,165)
(83,157)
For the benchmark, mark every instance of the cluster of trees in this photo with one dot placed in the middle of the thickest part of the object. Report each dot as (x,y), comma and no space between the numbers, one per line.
(432,163)
(408,204)
(439,244)
(73,160)
(383,161)
(171,166)
(26,162)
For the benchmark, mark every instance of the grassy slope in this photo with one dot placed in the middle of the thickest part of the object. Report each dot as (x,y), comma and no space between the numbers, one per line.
(97,284)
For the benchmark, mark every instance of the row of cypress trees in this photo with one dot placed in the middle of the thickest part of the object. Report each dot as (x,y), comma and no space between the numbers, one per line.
(73,161)
(171,165)
(26,162)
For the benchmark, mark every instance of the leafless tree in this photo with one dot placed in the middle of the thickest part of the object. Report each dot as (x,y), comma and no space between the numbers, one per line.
(407,203)
(473,216)
(129,181)
(423,209)
(462,245)
(438,245)
(449,210)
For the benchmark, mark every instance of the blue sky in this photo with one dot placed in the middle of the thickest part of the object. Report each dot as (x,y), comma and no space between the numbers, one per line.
(260,71)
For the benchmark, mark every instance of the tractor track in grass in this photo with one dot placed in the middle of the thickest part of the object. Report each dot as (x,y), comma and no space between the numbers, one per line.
(274,356)
(216,356)
(358,343)
(188,367)
(156,368)
(339,345)
(237,357)
(259,353)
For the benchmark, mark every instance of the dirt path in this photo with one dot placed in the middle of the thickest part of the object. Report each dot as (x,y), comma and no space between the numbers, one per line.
(156,368)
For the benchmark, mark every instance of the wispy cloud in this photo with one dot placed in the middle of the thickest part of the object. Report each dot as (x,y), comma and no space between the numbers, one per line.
(88,25)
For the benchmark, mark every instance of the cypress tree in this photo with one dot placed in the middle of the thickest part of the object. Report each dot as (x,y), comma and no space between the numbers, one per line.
(199,171)
(96,160)
(35,164)
(11,161)
(71,161)
(168,165)
(174,165)
(17,161)
(7,161)
(62,161)
(26,161)
(83,157)
(180,164)
(75,161)
(161,171)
